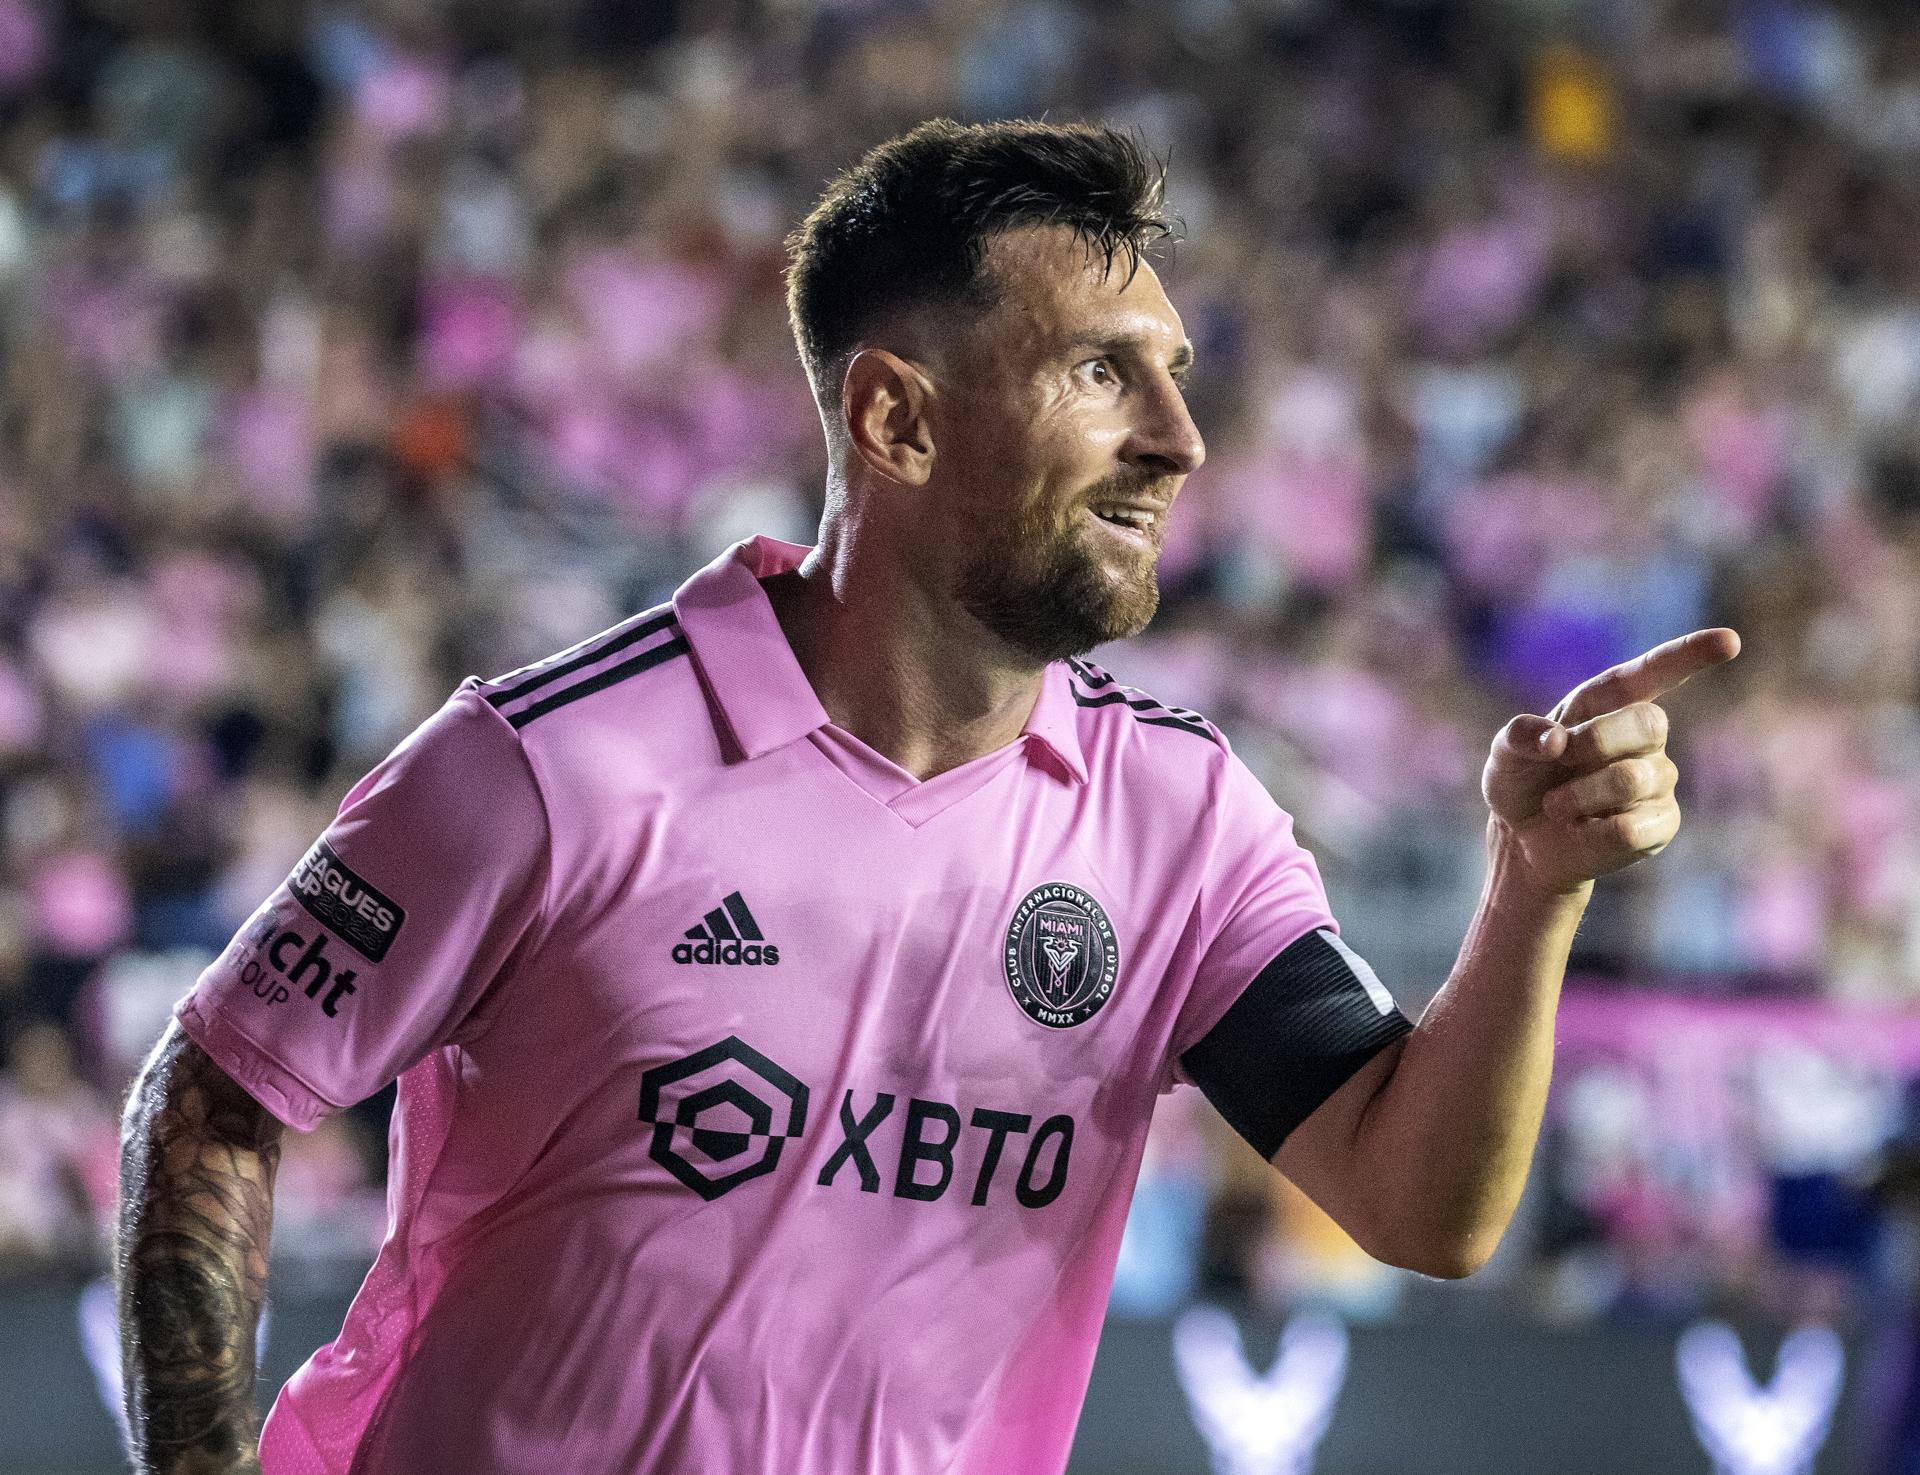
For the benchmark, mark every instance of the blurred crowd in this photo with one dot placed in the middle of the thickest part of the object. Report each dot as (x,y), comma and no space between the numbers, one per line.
(347,349)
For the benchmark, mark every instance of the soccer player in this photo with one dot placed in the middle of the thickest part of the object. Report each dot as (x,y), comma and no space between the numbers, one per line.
(780,983)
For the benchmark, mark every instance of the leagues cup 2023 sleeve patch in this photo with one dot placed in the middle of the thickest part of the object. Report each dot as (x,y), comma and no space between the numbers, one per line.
(362,917)
(1297,1033)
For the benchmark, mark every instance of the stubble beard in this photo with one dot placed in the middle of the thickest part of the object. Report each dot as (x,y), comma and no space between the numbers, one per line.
(1041,590)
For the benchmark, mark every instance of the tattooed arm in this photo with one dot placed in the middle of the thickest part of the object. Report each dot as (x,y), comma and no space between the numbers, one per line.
(197,1158)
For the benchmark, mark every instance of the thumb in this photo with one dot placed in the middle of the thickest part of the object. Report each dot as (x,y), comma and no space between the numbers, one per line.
(1523,765)
(1531,739)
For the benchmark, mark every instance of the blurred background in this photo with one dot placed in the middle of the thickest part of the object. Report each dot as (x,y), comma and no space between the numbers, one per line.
(347,349)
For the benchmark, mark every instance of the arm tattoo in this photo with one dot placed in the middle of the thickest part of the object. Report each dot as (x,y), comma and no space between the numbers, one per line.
(197,1160)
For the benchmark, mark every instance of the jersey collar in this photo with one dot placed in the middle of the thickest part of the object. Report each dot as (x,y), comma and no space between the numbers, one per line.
(1054,724)
(743,652)
(759,686)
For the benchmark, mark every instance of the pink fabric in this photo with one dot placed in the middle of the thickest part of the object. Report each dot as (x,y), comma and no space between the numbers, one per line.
(1479,278)
(1744,450)
(468,331)
(1301,491)
(405,97)
(643,313)
(1783,913)
(23,43)
(553,1294)
(268,438)
(1505,534)
(1308,517)
(1714,1033)
(80,905)
(200,603)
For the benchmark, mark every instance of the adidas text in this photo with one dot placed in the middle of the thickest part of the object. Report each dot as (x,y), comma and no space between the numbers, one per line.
(741,954)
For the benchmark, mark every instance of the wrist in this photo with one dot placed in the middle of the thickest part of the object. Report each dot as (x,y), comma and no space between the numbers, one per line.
(1509,873)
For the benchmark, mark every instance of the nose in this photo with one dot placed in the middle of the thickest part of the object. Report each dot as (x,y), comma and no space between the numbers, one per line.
(1165,439)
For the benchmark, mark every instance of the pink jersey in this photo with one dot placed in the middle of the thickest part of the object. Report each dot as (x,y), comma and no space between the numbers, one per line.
(761,1108)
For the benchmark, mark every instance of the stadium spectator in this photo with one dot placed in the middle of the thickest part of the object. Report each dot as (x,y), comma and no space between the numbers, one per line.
(347,349)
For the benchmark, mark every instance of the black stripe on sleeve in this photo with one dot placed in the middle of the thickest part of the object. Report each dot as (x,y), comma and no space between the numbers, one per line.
(1295,1035)
(645,661)
(586,658)
(1146,709)
(1163,716)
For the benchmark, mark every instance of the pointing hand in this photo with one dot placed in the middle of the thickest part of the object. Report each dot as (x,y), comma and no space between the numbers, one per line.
(1588,788)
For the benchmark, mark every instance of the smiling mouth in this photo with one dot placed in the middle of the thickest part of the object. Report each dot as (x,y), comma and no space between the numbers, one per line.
(1140,526)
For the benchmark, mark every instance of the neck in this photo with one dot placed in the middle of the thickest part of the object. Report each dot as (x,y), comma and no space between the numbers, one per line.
(897,663)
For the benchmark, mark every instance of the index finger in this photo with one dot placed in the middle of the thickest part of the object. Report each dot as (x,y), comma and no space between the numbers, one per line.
(1650,676)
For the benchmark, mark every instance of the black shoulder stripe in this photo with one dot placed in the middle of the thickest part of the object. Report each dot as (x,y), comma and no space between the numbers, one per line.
(1161,716)
(1295,1035)
(1180,724)
(645,661)
(587,657)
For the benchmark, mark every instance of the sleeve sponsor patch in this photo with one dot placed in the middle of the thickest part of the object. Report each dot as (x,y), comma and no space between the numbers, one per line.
(359,914)
(1310,1019)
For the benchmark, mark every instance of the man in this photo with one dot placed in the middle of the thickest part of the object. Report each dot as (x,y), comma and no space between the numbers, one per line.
(780,983)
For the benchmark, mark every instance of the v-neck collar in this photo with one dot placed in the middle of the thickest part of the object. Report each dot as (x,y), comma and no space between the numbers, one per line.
(767,702)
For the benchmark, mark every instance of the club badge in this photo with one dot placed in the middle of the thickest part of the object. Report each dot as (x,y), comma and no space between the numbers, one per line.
(1061,956)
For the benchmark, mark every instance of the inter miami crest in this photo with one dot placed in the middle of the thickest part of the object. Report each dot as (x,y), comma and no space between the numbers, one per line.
(1061,955)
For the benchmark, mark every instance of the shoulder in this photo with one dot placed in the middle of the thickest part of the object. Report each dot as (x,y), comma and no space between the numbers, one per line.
(609,704)
(1172,774)
(614,658)
(1111,712)
(1154,749)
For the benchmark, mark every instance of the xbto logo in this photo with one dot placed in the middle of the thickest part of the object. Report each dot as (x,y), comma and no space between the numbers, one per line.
(930,1142)
(715,1106)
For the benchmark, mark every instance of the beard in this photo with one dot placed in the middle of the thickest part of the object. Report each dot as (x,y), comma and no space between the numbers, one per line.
(1037,585)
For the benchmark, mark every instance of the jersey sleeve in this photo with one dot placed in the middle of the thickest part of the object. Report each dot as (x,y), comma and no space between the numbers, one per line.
(1281,1011)
(392,929)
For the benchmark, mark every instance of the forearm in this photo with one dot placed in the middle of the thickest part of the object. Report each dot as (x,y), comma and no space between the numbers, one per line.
(1449,1137)
(196,1209)
(1422,1154)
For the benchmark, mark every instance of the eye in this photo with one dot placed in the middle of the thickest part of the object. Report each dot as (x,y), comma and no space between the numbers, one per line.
(1100,371)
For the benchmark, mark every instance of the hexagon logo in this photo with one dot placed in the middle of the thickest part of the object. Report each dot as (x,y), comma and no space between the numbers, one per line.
(721,1115)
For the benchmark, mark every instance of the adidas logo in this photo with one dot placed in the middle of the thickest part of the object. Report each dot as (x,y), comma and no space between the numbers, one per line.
(728,934)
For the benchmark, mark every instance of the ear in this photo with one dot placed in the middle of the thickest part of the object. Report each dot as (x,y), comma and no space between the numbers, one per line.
(884,402)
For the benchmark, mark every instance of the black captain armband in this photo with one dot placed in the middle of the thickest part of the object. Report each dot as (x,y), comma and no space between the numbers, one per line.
(1307,1022)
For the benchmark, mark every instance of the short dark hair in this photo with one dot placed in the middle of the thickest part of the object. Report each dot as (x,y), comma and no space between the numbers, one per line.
(910,222)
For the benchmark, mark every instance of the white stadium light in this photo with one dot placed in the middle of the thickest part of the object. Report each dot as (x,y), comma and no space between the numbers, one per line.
(1260,1423)
(1753,1429)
